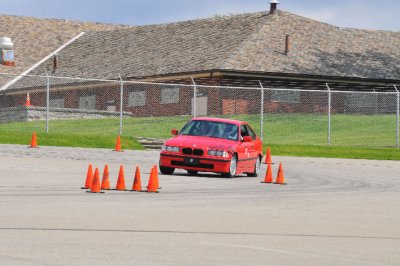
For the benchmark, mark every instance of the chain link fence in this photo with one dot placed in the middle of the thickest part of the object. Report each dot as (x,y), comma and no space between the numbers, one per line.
(87,107)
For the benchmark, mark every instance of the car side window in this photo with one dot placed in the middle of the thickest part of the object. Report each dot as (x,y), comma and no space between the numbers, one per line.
(243,132)
(251,132)
(230,132)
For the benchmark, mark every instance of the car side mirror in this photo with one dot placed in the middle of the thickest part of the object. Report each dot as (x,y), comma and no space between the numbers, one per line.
(247,139)
(174,131)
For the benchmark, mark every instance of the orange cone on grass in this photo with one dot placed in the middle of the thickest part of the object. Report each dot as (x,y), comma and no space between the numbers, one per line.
(268,156)
(89,177)
(280,178)
(33,141)
(105,182)
(118,145)
(268,175)
(121,179)
(28,100)
(96,182)
(152,185)
(137,183)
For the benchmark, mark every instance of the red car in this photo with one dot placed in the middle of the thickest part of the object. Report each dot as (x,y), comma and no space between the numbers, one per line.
(216,145)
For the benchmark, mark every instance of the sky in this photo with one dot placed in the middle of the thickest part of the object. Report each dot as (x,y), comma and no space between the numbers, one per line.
(364,14)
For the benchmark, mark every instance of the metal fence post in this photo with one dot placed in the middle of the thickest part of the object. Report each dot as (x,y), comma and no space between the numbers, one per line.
(329,113)
(397,116)
(262,112)
(121,105)
(194,98)
(47,101)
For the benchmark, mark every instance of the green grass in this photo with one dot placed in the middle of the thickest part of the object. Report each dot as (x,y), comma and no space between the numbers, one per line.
(69,140)
(334,152)
(346,130)
(352,136)
(157,127)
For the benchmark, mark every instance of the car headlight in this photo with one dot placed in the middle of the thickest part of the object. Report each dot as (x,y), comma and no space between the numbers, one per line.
(170,148)
(218,153)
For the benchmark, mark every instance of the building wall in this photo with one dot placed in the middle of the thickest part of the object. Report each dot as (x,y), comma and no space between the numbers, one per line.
(225,101)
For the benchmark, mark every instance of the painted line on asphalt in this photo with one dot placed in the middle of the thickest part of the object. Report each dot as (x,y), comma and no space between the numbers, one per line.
(293,253)
(194,232)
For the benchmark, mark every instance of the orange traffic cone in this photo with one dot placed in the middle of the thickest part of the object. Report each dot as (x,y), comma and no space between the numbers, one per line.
(33,141)
(268,175)
(121,179)
(137,183)
(89,177)
(268,156)
(28,100)
(118,145)
(96,182)
(152,185)
(105,182)
(280,178)
(156,175)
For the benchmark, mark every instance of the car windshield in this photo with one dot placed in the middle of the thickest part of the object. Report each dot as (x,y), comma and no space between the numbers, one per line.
(210,129)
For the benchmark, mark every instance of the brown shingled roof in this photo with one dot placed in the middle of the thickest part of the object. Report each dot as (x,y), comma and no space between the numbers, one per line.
(36,38)
(319,49)
(157,49)
(248,42)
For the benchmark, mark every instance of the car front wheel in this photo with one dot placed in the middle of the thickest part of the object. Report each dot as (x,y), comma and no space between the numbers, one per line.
(257,166)
(232,167)
(166,170)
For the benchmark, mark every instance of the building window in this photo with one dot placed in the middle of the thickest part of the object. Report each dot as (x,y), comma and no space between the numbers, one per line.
(170,95)
(87,102)
(361,100)
(285,96)
(136,98)
(56,103)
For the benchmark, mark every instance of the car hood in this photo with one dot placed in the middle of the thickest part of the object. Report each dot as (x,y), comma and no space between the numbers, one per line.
(201,142)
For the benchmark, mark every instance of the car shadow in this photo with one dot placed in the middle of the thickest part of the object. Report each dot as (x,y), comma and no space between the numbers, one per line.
(209,175)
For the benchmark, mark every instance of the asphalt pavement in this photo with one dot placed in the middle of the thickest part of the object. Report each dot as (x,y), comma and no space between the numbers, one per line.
(331,212)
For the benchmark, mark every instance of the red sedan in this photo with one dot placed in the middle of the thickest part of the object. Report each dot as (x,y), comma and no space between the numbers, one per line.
(216,145)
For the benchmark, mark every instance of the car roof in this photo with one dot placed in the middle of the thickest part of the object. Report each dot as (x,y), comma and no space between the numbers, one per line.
(223,120)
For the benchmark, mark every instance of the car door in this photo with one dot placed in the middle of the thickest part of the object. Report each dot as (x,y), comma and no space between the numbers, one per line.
(254,146)
(244,151)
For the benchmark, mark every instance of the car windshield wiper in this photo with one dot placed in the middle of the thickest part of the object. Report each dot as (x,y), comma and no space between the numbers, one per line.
(215,137)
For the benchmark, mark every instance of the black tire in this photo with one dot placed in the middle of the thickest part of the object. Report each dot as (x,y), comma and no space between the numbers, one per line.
(232,167)
(192,172)
(257,166)
(166,170)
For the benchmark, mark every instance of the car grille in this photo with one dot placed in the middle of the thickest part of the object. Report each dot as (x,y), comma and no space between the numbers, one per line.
(189,151)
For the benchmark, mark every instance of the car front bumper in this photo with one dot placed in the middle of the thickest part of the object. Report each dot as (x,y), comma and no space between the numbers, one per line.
(195,163)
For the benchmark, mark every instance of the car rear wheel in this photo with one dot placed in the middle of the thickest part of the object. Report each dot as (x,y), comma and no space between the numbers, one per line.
(232,167)
(192,172)
(166,170)
(257,166)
